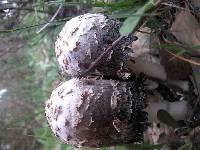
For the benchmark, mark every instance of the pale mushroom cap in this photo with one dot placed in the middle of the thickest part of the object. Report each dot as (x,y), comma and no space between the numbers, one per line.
(96,113)
(82,40)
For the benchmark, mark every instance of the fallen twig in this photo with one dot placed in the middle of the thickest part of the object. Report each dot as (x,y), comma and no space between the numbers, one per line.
(51,20)
(184,59)
(33,26)
(96,62)
(172,5)
(25,9)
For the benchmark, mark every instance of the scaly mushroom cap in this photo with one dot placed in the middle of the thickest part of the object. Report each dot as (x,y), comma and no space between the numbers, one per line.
(97,113)
(83,39)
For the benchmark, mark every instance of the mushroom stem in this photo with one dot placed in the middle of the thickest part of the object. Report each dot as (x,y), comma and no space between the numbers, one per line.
(178,110)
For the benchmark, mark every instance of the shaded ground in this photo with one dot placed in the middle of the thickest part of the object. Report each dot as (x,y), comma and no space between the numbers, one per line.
(16,114)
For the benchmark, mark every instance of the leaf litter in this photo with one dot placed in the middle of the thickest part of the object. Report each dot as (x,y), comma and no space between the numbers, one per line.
(185,28)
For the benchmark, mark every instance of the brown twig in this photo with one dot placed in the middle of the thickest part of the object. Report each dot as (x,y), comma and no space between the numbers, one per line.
(51,20)
(25,9)
(158,2)
(172,5)
(98,60)
(184,59)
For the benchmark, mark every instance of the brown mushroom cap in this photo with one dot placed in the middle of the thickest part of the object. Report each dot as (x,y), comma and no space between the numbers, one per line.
(97,113)
(83,39)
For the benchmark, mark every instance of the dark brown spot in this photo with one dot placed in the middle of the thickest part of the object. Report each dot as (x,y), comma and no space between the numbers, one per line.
(60,108)
(57,129)
(60,91)
(49,119)
(85,95)
(77,44)
(83,65)
(69,137)
(66,67)
(57,111)
(59,37)
(48,105)
(66,122)
(76,49)
(93,26)
(69,59)
(69,92)
(65,61)
(133,61)
(76,29)
(57,135)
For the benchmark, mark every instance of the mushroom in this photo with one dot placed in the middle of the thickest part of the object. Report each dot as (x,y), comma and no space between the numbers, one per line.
(83,39)
(99,113)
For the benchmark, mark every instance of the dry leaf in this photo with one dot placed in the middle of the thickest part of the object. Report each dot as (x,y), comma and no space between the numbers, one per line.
(186,28)
(154,134)
(176,69)
(144,44)
(150,68)
(188,32)
(196,3)
(144,55)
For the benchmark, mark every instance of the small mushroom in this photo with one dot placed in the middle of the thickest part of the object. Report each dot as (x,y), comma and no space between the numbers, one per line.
(99,113)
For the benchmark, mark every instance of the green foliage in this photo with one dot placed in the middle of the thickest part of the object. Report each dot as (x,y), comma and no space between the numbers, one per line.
(119,5)
(187,146)
(131,22)
(143,146)
(47,139)
(174,49)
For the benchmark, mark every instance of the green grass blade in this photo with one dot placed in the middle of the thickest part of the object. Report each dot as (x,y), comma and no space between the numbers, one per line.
(131,22)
